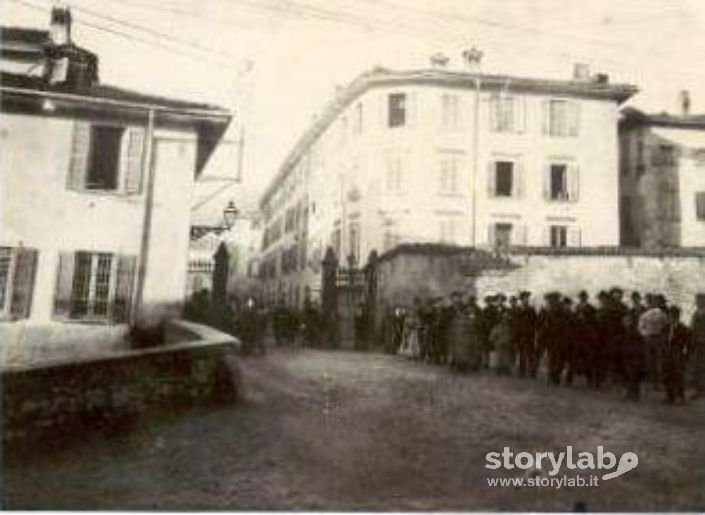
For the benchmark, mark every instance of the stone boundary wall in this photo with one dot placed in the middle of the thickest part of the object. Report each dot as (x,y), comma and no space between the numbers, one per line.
(422,270)
(57,400)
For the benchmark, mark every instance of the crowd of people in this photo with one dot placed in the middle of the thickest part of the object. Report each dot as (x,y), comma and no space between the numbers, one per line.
(612,341)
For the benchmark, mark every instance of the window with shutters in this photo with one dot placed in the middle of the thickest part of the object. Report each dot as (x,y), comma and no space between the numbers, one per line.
(448,230)
(17,271)
(451,113)
(394,180)
(700,206)
(503,178)
(502,113)
(396,111)
(561,182)
(561,118)
(449,175)
(106,158)
(94,286)
(500,236)
(558,236)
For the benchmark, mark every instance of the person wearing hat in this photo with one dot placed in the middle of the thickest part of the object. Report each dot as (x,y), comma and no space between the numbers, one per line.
(586,338)
(488,318)
(697,326)
(553,333)
(526,335)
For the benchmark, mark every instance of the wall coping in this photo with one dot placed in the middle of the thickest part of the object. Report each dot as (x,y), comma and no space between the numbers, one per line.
(439,249)
(200,337)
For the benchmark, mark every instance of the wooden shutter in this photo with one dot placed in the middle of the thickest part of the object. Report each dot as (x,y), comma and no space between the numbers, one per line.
(518,180)
(491,179)
(495,103)
(546,236)
(573,118)
(123,288)
(412,109)
(574,237)
(64,285)
(547,181)
(80,150)
(520,114)
(23,282)
(131,159)
(573,183)
(546,117)
(491,234)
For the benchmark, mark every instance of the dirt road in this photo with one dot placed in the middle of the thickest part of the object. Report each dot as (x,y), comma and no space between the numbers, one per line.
(344,431)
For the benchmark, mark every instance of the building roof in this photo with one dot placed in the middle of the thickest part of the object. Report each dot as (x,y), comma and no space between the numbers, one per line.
(382,77)
(103,91)
(23,35)
(632,117)
(28,95)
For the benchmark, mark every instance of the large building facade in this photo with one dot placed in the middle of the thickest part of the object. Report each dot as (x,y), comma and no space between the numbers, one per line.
(444,156)
(662,180)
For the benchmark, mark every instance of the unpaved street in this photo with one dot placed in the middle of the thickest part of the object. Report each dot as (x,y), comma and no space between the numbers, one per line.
(342,430)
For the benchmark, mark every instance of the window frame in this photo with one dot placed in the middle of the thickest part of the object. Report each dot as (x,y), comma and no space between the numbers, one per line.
(560,235)
(700,206)
(397,115)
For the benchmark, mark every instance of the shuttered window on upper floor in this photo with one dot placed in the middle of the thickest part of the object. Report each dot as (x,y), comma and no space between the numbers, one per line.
(106,157)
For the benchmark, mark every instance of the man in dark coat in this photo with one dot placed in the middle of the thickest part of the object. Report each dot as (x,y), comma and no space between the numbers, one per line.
(697,326)
(525,324)
(633,355)
(586,338)
(678,345)
(553,336)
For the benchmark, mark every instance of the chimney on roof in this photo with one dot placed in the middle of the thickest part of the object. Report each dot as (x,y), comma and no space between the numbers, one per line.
(60,26)
(472,58)
(581,72)
(685,102)
(439,60)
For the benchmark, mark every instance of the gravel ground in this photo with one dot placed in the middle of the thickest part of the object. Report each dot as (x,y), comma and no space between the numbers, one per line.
(351,431)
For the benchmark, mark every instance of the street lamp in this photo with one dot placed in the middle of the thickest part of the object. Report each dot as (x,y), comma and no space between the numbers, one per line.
(230,215)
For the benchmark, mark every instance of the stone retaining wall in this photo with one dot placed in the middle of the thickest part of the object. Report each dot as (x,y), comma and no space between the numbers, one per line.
(197,365)
(437,270)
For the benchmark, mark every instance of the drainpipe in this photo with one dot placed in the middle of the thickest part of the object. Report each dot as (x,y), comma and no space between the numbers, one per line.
(476,158)
(148,171)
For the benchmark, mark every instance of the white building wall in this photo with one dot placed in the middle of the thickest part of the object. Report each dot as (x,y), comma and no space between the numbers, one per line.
(420,208)
(38,211)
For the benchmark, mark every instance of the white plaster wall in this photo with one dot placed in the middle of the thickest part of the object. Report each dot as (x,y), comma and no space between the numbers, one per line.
(37,210)
(167,257)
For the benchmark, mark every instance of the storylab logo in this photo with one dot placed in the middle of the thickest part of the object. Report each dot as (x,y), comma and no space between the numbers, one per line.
(542,468)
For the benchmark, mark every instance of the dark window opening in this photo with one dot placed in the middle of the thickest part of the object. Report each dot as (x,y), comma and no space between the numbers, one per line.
(559,182)
(397,109)
(104,158)
(504,178)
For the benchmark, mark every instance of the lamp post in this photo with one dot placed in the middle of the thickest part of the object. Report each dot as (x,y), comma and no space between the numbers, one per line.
(230,214)
(473,58)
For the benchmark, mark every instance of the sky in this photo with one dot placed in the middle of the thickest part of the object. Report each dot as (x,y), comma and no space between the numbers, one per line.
(276,63)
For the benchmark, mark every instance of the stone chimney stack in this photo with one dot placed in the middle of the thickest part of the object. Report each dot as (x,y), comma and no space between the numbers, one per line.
(581,72)
(60,26)
(439,60)
(684,102)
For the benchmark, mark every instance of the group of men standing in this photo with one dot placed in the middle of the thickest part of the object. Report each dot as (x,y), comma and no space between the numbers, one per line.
(615,341)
